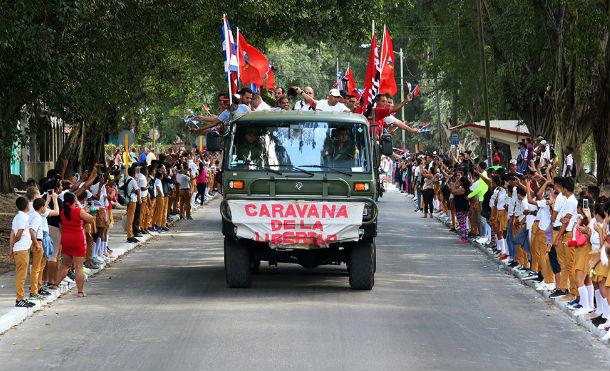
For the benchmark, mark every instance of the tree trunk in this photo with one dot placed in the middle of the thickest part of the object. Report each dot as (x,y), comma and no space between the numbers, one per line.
(84,148)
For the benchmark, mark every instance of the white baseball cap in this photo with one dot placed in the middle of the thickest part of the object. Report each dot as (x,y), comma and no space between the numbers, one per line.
(334,93)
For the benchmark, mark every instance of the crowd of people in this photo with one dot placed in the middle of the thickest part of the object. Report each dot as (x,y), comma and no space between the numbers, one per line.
(528,213)
(62,222)
(295,98)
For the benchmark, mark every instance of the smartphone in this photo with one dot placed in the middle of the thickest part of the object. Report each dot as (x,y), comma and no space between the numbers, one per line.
(50,192)
(585,203)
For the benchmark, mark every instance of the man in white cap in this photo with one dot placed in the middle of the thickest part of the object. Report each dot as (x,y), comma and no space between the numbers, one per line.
(331,104)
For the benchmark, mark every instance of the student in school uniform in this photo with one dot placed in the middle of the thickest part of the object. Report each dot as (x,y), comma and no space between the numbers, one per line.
(20,242)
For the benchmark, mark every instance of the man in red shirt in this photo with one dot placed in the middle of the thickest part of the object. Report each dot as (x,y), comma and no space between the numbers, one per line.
(383,109)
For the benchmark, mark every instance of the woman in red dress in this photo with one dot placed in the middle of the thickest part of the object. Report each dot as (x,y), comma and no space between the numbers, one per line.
(73,240)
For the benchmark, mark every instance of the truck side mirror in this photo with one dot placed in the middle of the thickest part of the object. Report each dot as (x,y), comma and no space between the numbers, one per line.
(213,142)
(385,142)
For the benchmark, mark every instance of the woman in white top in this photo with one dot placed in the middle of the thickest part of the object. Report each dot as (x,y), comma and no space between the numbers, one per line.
(599,262)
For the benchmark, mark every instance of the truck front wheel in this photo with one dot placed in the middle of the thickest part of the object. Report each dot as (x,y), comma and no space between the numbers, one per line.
(237,263)
(362,265)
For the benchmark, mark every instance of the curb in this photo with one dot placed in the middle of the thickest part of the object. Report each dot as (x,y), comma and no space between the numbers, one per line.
(562,306)
(17,315)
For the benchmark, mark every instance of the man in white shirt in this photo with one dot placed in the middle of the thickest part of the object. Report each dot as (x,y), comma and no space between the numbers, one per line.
(564,211)
(332,104)
(132,198)
(258,104)
(20,241)
(184,192)
(568,162)
(142,180)
(304,105)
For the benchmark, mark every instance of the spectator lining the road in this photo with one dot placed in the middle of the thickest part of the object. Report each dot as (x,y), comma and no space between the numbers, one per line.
(73,241)
(537,225)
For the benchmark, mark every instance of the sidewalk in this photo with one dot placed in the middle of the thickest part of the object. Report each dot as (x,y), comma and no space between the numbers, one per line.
(11,316)
(530,283)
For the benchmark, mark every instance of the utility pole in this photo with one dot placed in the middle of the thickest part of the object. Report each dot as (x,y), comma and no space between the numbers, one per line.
(402,95)
(438,96)
(484,73)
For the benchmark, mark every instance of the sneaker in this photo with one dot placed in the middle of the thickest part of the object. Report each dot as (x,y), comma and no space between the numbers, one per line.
(568,297)
(556,294)
(133,240)
(97,260)
(591,316)
(165,229)
(137,235)
(43,291)
(92,265)
(86,271)
(574,306)
(582,311)
(71,275)
(35,297)
(599,321)
(606,337)
(530,276)
(24,303)
(574,301)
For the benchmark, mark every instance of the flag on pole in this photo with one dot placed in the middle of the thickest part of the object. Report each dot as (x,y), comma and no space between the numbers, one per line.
(270,83)
(371,80)
(388,82)
(351,82)
(230,55)
(252,63)
(339,84)
(415,91)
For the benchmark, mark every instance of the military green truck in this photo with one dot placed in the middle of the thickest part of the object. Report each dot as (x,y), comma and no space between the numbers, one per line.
(300,187)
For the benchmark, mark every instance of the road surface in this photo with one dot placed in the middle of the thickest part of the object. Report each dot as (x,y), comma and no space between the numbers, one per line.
(436,305)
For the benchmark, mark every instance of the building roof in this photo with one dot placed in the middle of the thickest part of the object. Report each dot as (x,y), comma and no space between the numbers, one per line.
(515,127)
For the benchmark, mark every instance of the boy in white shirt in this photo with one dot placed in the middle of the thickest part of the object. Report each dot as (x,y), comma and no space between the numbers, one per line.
(36,216)
(20,241)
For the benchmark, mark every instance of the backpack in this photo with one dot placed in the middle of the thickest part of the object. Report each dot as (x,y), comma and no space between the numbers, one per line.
(151,188)
(123,196)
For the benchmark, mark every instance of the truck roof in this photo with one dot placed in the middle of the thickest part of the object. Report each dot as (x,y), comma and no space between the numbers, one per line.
(301,116)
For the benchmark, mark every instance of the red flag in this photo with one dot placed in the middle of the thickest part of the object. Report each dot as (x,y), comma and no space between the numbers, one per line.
(270,78)
(387,83)
(351,82)
(415,91)
(371,79)
(252,63)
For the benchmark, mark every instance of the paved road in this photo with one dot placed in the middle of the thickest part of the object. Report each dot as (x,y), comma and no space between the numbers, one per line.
(436,305)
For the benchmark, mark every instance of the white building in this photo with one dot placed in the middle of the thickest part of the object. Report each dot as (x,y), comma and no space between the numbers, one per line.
(505,134)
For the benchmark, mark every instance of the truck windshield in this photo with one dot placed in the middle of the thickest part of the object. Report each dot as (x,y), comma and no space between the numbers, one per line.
(312,146)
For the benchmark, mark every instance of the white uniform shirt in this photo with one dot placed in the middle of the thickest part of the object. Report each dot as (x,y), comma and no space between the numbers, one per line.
(502,198)
(544,214)
(571,207)
(302,106)
(529,219)
(21,221)
(324,106)
(132,187)
(595,239)
(560,201)
(158,188)
(142,184)
(36,224)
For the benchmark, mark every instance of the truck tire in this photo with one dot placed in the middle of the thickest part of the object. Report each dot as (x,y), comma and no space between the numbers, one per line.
(362,265)
(237,263)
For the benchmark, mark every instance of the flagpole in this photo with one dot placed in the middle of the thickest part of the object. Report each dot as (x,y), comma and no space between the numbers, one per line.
(337,73)
(227,56)
(402,96)
(238,66)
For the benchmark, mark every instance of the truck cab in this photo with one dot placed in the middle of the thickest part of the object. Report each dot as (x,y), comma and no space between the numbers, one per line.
(299,187)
